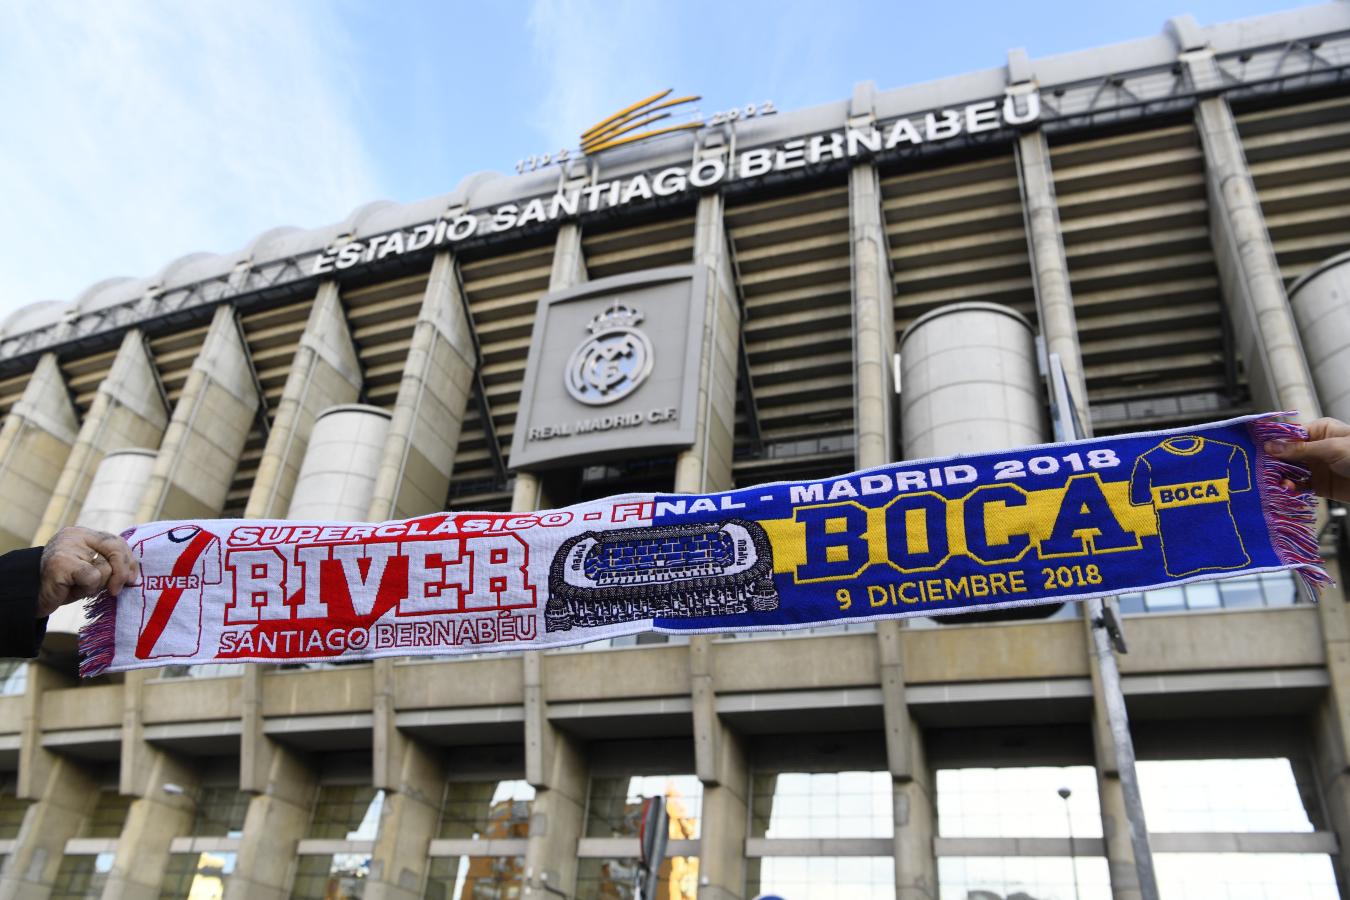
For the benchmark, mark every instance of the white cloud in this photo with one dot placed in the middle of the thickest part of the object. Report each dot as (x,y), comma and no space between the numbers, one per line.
(138,132)
(594,59)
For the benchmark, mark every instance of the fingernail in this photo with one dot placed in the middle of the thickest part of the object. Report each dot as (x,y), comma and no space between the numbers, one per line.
(1276,448)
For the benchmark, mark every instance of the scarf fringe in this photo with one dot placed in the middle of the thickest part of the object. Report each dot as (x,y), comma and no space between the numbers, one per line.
(1290,513)
(98,637)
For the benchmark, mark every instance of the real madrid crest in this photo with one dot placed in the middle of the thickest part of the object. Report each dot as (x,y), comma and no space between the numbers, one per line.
(613,362)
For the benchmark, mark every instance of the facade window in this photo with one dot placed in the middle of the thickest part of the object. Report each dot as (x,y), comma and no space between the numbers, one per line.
(201,862)
(1251,876)
(1222,795)
(349,813)
(821,805)
(84,874)
(82,877)
(822,877)
(615,805)
(983,812)
(473,814)
(1057,877)
(109,815)
(197,875)
(614,810)
(486,810)
(13,677)
(12,811)
(220,813)
(1018,802)
(339,876)
(615,879)
(476,877)
(1270,589)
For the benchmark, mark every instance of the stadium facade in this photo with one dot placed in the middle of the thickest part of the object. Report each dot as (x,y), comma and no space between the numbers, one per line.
(874,279)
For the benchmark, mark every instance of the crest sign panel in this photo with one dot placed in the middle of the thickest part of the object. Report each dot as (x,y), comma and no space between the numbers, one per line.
(613,370)
(613,362)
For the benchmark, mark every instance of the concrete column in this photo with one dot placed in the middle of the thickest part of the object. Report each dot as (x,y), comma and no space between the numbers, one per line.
(1059,331)
(255,748)
(915,816)
(721,765)
(276,821)
(1262,320)
(408,821)
(1265,327)
(554,765)
(556,769)
(912,787)
(569,260)
(137,757)
(389,745)
(63,794)
(60,811)
(127,411)
(337,479)
(437,379)
(568,270)
(154,819)
(1332,725)
(35,442)
(708,462)
(1050,268)
(325,372)
(528,494)
(1321,304)
(874,431)
(111,500)
(873,303)
(1331,767)
(207,432)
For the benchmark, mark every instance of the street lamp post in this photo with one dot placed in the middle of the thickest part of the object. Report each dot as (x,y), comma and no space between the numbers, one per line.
(1064,794)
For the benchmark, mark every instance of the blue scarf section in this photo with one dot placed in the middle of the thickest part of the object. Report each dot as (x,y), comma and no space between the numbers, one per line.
(1047,524)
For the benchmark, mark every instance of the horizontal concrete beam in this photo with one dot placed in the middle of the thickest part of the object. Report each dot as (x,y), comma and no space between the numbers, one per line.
(205,845)
(90,846)
(656,706)
(1010,846)
(627,847)
(819,846)
(1244,842)
(474,715)
(325,846)
(470,847)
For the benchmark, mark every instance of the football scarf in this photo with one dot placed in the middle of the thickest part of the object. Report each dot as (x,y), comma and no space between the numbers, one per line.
(1045,524)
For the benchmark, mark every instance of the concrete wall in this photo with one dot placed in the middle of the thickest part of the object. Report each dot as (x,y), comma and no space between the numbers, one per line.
(128,410)
(115,492)
(211,422)
(337,478)
(1321,303)
(968,382)
(35,441)
(324,373)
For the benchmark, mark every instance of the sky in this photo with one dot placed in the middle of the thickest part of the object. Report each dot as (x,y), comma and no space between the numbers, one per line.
(136,132)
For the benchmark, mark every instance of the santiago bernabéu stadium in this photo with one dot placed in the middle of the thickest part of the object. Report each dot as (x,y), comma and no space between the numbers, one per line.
(1165,217)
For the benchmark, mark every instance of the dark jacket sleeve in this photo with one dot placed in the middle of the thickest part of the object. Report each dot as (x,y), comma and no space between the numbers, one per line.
(21,632)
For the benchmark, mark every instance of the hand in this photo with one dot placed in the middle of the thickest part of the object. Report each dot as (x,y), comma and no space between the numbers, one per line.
(1326,453)
(81,562)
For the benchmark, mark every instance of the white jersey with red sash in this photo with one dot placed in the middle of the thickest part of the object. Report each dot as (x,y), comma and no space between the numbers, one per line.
(174,566)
